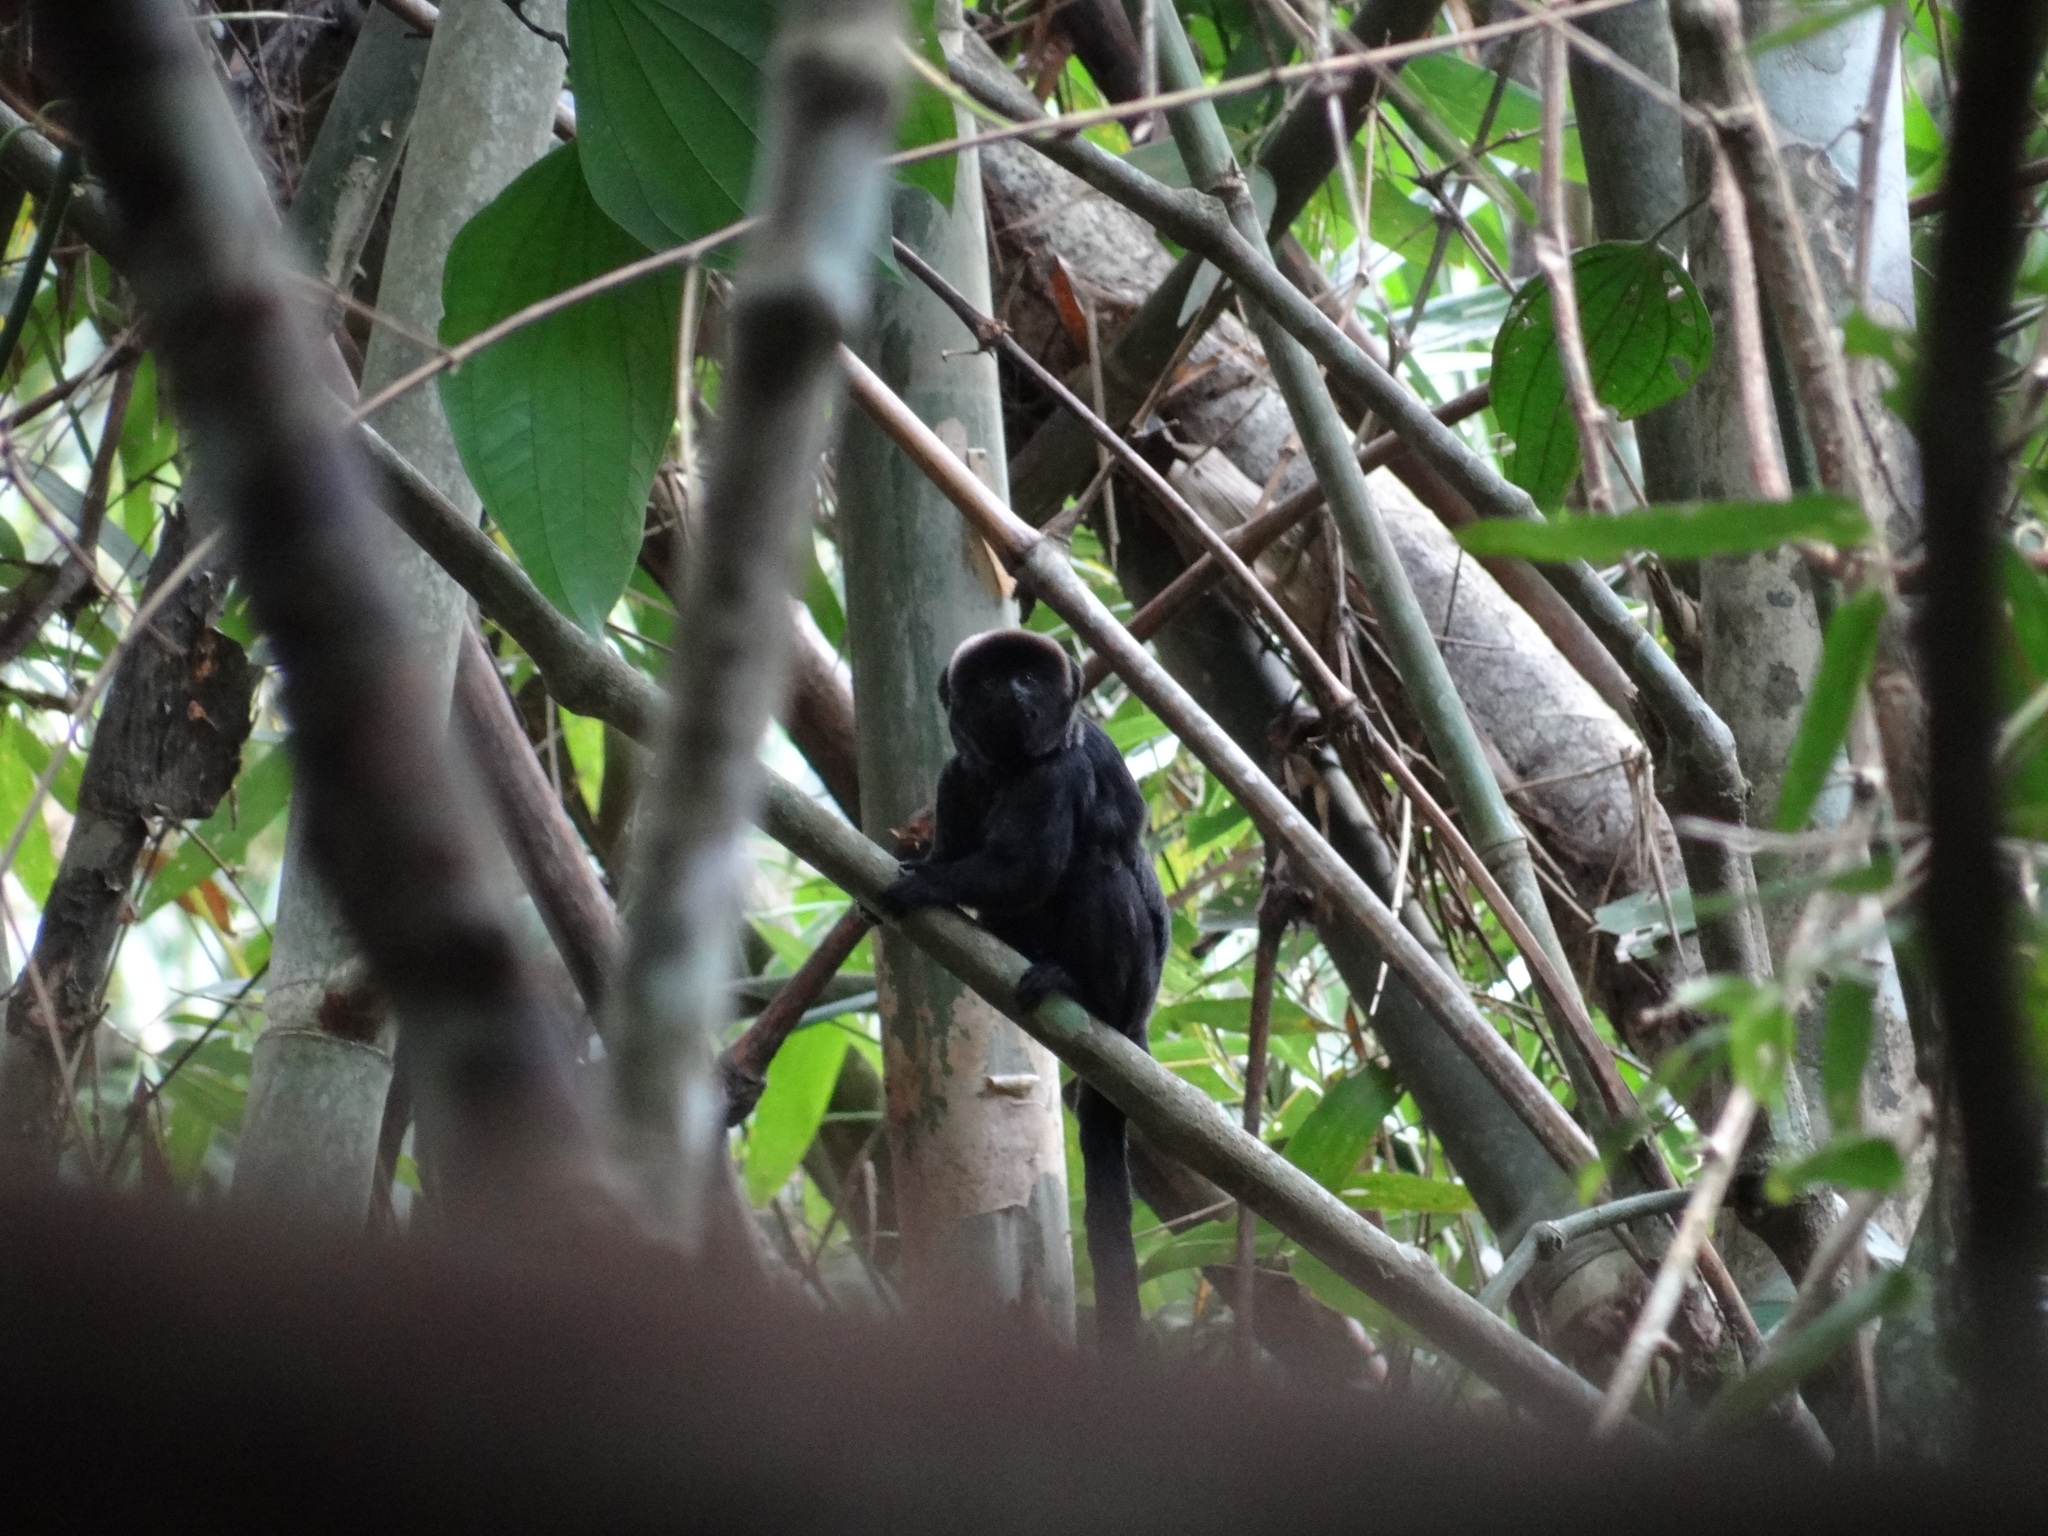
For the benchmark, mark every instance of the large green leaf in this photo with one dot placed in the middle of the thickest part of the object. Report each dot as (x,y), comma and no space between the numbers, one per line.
(1845,662)
(1647,338)
(561,424)
(1682,532)
(1335,1135)
(668,97)
(800,1083)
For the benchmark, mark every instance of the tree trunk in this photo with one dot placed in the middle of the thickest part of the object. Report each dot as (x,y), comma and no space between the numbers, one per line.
(976,1133)
(485,112)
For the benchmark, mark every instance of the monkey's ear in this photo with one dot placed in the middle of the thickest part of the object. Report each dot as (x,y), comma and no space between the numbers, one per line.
(946,688)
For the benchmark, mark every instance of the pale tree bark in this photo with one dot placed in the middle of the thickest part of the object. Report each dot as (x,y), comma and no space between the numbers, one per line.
(485,112)
(976,1131)
(1762,614)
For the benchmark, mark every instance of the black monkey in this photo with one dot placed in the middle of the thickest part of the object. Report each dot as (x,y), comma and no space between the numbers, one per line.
(1040,830)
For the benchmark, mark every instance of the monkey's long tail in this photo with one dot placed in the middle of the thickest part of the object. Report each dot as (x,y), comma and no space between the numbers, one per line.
(1106,1174)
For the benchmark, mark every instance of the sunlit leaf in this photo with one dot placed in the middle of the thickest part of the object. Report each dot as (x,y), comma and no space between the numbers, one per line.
(1682,532)
(1847,656)
(22,759)
(800,1083)
(1392,1191)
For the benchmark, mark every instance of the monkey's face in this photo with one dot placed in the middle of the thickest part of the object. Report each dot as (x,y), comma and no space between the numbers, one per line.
(1008,714)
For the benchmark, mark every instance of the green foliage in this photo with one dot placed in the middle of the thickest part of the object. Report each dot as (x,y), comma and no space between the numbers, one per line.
(1395,1191)
(561,425)
(800,1082)
(1334,1137)
(667,110)
(222,840)
(1845,1049)
(1760,1032)
(1647,338)
(1683,532)
(1847,656)
(1848,1162)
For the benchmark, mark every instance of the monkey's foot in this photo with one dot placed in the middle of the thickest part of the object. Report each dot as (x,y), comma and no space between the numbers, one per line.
(1040,982)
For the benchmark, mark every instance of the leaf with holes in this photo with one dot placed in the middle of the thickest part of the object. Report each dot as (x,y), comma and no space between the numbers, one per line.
(562,424)
(1647,338)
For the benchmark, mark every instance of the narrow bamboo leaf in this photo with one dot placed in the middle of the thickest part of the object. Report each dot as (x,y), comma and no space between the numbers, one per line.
(1845,662)
(1844,1049)
(258,798)
(1647,337)
(1457,91)
(1335,1135)
(800,1082)
(2026,601)
(1405,1192)
(1340,1295)
(1682,532)
(562,424)
(1847,1162)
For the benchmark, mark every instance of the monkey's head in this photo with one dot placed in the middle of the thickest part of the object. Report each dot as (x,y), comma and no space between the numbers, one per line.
(1010,696)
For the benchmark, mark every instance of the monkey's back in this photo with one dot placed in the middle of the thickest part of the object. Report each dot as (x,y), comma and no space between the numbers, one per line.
(1104,922)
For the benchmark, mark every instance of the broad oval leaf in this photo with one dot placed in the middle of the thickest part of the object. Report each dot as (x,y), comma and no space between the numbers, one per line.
(668,96)
(1647,338)
(1682,532)
(561,425)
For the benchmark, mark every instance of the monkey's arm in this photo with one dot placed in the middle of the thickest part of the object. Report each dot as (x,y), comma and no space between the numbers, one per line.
(1025,843)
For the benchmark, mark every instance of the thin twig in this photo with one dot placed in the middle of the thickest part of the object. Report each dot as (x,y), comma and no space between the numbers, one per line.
(1554,255)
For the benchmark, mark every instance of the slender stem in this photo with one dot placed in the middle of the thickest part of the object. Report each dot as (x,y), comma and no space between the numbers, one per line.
(743,1065)
(1647,1337)
(51,219)
(1554,256)
(1258,1030)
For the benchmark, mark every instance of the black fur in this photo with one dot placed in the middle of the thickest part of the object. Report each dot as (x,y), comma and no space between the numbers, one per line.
(1040,830)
